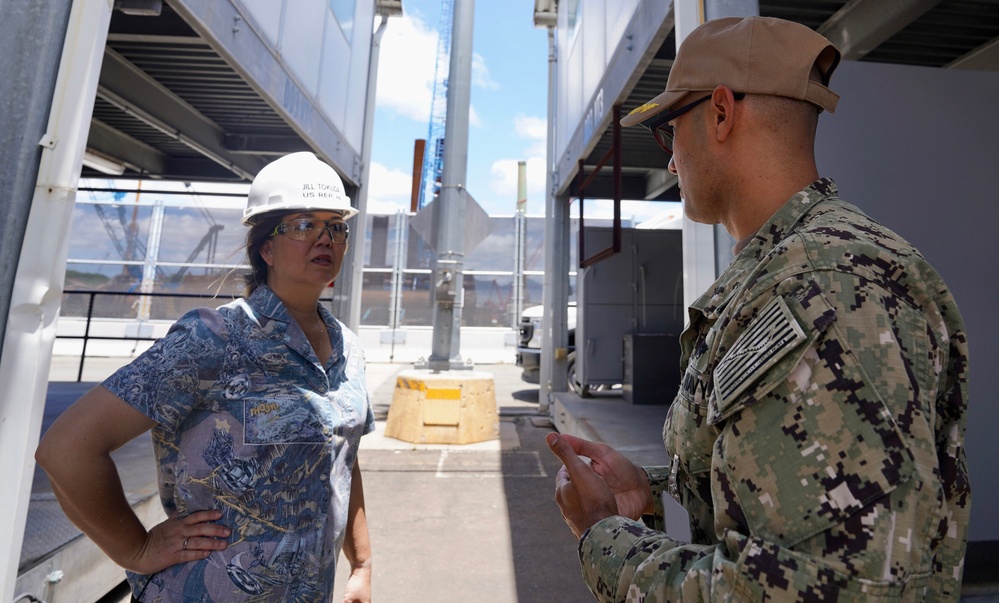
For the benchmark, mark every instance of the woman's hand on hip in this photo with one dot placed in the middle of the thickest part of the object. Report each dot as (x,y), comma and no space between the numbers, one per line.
(181,540)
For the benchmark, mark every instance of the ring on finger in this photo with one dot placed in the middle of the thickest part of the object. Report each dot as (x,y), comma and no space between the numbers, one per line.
(185,543)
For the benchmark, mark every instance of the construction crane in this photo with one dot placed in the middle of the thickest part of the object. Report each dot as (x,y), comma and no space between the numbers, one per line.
(433,158)
(211,241)
(128,244)
(130,247)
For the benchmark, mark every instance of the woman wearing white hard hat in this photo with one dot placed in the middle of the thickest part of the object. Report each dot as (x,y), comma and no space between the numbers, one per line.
(256,411)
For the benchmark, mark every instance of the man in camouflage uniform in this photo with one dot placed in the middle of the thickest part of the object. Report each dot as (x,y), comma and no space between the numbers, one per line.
(817,440)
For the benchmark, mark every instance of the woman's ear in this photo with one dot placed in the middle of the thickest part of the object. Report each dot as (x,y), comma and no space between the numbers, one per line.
(267,253)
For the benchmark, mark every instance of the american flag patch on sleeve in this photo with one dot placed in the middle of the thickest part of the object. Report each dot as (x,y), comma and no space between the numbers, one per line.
(770,337)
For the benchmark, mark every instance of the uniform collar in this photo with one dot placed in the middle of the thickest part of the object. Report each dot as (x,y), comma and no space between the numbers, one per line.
(769,236)
(777,228)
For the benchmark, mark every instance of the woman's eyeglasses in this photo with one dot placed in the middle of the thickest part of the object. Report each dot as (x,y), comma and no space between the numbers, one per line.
(310,229)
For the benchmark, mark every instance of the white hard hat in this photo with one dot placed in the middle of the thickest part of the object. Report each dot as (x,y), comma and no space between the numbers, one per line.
(296,182)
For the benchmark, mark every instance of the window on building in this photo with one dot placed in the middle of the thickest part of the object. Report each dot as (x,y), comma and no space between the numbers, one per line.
(573,8)
(343,10)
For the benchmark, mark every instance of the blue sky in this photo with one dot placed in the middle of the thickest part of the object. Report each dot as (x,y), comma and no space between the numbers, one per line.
(508,114)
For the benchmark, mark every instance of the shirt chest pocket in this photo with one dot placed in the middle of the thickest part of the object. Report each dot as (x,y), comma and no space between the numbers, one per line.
(288,419)
(687,436)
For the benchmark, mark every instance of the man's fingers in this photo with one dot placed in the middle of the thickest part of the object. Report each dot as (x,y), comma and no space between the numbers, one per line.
(562,477)
(585,448)
(564,451)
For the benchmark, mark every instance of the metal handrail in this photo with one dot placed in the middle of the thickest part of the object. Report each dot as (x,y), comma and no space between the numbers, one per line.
(86,337)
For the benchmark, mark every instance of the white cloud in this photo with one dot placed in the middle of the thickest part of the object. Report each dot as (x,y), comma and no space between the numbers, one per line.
(390,190)
(533,128)
(480,73)
(504,182)
(406,67)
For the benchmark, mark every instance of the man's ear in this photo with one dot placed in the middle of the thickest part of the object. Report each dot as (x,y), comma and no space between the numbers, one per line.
(723,112)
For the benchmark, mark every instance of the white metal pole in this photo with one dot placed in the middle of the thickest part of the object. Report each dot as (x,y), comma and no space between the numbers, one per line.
(698,239)
(554,325)
(360,226)
(450,217)
(398,265)
(520,250)
(38,282)
(153,240)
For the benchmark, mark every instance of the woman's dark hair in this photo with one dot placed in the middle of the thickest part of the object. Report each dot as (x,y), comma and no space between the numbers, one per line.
(258,234)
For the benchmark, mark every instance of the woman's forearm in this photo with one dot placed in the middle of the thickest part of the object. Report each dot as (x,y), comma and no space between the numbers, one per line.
(357,542)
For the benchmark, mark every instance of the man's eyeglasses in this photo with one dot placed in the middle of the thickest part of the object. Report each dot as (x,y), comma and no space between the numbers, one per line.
(663,132)
(310,229)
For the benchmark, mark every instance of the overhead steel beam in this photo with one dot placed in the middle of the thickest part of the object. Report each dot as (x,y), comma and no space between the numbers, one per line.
(983,58)
(658,182)
(198,168)
(157,39)
(130,89)
(260,65)
(264,144)
(134,154)
(601,186)
(861,25)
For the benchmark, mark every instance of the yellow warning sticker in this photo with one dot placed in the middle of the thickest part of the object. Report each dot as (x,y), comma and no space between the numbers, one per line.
(443,393)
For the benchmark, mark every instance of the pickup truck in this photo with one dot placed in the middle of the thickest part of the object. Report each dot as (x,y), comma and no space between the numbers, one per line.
(529,348)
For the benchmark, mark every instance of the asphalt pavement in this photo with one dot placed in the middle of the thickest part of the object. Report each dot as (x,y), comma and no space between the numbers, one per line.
(474,522)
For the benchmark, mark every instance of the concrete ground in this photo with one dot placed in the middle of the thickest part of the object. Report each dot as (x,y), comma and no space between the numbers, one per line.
(473,522)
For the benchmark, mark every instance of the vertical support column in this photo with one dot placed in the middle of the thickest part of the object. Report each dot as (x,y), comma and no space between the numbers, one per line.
(556,280)
(152,257)
(398,265)
(41,270)
(519,261)
(31,44)
(706,247)
(360,226)
(520,251)
(450,216)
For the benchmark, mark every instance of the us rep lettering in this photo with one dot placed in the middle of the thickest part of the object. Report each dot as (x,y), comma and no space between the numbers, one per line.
(320,190)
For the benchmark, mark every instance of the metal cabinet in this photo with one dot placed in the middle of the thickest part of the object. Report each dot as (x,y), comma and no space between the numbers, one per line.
(638,291)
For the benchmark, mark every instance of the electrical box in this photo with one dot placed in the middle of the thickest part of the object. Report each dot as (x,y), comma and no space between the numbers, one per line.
(651,365)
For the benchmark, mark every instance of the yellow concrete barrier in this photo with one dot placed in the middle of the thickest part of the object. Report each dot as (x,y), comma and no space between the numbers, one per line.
(449,407)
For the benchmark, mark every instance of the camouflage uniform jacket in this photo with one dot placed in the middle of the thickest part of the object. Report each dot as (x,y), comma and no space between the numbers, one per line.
(818,436)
